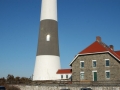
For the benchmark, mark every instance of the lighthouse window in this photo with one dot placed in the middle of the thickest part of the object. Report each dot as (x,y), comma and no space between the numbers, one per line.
(48,37)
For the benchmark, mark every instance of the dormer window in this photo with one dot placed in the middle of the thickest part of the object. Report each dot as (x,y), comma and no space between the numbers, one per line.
(48,37)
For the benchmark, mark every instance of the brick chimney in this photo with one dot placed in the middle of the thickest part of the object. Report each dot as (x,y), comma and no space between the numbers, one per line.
(98,38)
(111,47)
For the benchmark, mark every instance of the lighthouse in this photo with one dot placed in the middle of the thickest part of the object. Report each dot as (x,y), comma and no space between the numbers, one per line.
(47,58)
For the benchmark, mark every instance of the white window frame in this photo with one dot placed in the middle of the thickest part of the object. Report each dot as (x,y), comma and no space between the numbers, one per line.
(80,64)
(109,74)
(105,62)
(83,77)
(92,63)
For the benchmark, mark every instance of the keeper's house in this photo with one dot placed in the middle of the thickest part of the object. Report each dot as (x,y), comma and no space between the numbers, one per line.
(97,62)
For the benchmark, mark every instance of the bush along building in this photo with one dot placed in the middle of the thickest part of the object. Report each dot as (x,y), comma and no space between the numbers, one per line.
(97,62)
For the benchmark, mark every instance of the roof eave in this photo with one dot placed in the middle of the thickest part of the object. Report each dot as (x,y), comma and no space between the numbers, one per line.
(64,73)
(86,54)
(115,56)
(93,53)
(73,59)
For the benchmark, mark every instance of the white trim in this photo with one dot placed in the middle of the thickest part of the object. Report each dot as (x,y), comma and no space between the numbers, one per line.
(81,72)
(93,53)
(85,54)
(74,59)
(107,59)
(81,61)
(115,56)
(94,71)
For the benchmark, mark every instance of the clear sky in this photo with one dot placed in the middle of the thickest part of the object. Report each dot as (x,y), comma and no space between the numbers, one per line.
(79,21)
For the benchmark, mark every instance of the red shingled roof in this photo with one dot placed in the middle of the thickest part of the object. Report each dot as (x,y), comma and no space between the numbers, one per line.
(94,47)
(117,52)
(64,71)
(98,47)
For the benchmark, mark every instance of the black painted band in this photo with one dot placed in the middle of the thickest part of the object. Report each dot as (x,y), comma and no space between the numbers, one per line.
(48,47)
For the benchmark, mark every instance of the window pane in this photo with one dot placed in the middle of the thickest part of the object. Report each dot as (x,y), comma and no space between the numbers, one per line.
(82,64)
(94,63)
(66,76)
(107,62)
(81,76)
(107,74)
(61,76)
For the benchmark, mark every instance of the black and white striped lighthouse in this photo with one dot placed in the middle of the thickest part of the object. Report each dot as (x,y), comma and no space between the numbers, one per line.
(47,58)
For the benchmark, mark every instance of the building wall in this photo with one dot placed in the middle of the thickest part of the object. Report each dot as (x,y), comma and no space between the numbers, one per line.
(100,59)
(64,76)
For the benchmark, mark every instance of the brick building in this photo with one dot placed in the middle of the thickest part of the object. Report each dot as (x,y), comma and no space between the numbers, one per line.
(97,62)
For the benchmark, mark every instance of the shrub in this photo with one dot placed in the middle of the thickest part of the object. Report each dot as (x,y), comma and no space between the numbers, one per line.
(9,87)
(13,88)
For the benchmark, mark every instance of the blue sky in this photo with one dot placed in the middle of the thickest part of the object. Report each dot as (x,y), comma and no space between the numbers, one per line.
(79,21)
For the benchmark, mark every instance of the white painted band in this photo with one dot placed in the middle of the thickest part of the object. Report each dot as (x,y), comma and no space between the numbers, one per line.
(46,67)
(49,10)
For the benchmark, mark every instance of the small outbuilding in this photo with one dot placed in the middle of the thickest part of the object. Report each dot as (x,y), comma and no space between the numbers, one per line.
(64,74)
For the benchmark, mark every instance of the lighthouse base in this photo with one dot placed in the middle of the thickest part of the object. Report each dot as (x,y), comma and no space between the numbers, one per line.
(46,67)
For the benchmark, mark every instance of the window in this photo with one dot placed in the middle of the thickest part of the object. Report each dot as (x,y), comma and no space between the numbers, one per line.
(48,37)
(61,76)
(67,76)
(81,75)
(107,63)
(94,63)
(107,74)
(82,64)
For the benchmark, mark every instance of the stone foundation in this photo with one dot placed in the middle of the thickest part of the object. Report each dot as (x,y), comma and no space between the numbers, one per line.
(52,87)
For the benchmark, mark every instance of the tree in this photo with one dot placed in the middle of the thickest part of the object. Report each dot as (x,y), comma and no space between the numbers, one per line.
(2,81)
(17,80)
(10,79)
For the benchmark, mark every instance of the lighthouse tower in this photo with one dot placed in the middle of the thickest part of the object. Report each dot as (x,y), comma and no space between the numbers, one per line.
(47,57)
